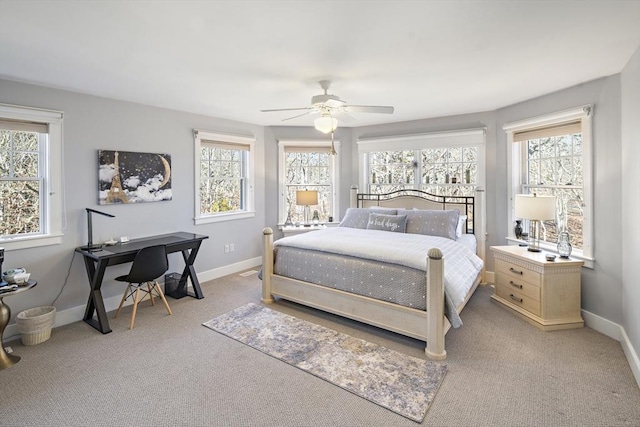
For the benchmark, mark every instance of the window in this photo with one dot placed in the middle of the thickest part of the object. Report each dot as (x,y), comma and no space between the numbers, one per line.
(30,177)
(224,177)
(307,165)
(444,164)
(551,155)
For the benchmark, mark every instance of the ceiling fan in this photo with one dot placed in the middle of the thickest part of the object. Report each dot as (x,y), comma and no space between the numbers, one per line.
(331,108)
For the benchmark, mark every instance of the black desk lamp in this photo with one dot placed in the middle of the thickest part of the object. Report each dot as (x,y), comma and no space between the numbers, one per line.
(90,244)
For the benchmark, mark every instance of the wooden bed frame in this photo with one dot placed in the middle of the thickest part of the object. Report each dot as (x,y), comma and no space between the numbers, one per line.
(430,325)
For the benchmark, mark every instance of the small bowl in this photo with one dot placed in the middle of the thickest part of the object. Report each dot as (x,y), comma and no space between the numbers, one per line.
(9,276)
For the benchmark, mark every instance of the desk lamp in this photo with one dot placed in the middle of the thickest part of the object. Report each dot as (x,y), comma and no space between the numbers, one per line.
(90,244)
(306,198)
(535,208)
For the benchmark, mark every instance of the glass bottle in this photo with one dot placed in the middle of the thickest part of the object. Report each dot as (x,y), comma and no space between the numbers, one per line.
(564,245)
(288,222)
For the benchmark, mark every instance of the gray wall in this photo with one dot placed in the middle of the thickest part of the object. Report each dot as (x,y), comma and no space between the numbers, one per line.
(92,123)
(631,202)
(602,285)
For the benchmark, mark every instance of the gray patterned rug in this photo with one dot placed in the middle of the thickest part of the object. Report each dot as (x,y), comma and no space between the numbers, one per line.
(403,384)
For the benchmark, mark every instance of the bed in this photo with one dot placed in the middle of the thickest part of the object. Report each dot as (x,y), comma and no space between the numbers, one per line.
(384,264)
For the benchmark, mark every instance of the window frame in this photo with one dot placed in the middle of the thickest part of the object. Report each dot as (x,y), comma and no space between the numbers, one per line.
(248,163)
(333,172)
(52,216)
(516,172)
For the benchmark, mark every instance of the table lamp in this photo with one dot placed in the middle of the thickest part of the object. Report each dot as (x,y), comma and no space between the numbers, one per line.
(90,246)
(535,208)
(306,198)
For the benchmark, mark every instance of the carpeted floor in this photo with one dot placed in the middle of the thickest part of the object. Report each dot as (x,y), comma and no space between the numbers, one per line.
(403,384)
(171,371)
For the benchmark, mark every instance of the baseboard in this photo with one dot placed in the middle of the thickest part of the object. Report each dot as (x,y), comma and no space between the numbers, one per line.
(602,325)
(74,314)
(632,355)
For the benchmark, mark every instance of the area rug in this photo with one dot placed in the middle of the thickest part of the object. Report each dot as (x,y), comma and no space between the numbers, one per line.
(403,384)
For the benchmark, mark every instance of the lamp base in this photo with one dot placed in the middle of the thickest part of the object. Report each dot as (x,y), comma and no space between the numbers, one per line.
(530,249)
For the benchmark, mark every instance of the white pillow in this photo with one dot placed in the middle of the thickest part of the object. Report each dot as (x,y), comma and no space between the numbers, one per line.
(462,224)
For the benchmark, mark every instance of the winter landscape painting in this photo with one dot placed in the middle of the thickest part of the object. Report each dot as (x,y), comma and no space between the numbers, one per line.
(130,177)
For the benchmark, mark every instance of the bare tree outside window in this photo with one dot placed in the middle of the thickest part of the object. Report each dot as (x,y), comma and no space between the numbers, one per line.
(222,175)
(554,168)
(20,183)
(308,170)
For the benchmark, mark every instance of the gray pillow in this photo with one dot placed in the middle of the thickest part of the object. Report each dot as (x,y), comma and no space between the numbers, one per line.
(395,223)
(359,217)
(433,223)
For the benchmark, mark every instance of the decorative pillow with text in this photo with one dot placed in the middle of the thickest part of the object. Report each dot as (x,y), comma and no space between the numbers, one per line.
(395,223)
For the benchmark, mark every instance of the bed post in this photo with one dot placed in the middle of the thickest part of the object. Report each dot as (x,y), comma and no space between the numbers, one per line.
(267,264)
(353,196)
(435,305)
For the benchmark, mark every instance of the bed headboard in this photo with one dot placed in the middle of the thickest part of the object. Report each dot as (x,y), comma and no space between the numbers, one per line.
(410,199)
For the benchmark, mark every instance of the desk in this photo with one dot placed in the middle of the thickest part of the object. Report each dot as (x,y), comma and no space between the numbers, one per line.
(96,262)
(8,360)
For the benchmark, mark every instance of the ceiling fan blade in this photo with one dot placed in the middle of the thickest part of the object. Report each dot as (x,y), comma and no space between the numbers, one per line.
(300,115)
(368,109)
(286,109)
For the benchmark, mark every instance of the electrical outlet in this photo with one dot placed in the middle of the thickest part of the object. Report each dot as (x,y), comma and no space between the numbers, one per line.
(232,247)
(226,249)
(124,239)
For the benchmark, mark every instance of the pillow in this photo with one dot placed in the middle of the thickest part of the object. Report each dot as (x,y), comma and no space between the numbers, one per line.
(359,217)
(433,223)
(462,226)
(395,223)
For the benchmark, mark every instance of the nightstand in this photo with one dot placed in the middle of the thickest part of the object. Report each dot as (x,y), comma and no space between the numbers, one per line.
(544,293)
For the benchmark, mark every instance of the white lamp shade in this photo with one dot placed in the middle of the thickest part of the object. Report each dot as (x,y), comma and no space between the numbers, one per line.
(326,124)
(535,207)
(307,197)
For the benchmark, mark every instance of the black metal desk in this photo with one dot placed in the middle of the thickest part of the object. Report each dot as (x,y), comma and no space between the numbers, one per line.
(96,262)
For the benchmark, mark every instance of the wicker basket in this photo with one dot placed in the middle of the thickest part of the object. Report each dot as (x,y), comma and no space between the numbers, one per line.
(35,324)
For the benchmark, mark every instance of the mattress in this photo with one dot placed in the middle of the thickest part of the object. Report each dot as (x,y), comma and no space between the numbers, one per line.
(378,264)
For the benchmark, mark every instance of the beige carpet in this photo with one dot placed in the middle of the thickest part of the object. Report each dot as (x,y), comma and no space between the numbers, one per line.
(171,371)
(403,384)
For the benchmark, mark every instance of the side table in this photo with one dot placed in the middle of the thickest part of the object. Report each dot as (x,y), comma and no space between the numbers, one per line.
(8,360)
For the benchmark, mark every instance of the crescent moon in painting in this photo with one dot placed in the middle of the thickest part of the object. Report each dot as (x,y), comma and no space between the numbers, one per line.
(167,171)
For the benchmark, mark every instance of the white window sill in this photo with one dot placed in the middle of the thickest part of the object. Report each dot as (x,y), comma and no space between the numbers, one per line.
(548,247)
(221,217)
(16,243)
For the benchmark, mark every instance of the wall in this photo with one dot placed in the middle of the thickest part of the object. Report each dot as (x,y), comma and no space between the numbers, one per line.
(630,81)
(602,285)
(92,123)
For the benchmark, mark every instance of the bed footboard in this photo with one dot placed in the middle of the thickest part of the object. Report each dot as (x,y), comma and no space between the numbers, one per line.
(429,326)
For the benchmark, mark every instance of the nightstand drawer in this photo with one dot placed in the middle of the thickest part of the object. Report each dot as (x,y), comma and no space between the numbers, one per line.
(518,285)
(518,298)
(517,273)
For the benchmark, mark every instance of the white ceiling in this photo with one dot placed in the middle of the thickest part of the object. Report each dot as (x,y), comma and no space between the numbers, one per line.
(229,59)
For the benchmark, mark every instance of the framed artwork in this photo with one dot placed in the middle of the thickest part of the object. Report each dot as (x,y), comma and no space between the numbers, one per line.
(131,177)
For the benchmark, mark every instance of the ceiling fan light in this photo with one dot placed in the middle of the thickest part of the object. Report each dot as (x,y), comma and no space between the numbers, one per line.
(326,124)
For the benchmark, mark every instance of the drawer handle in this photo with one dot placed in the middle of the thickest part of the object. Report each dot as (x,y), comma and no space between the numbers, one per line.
(515,298)
(513,270)
(515,285)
